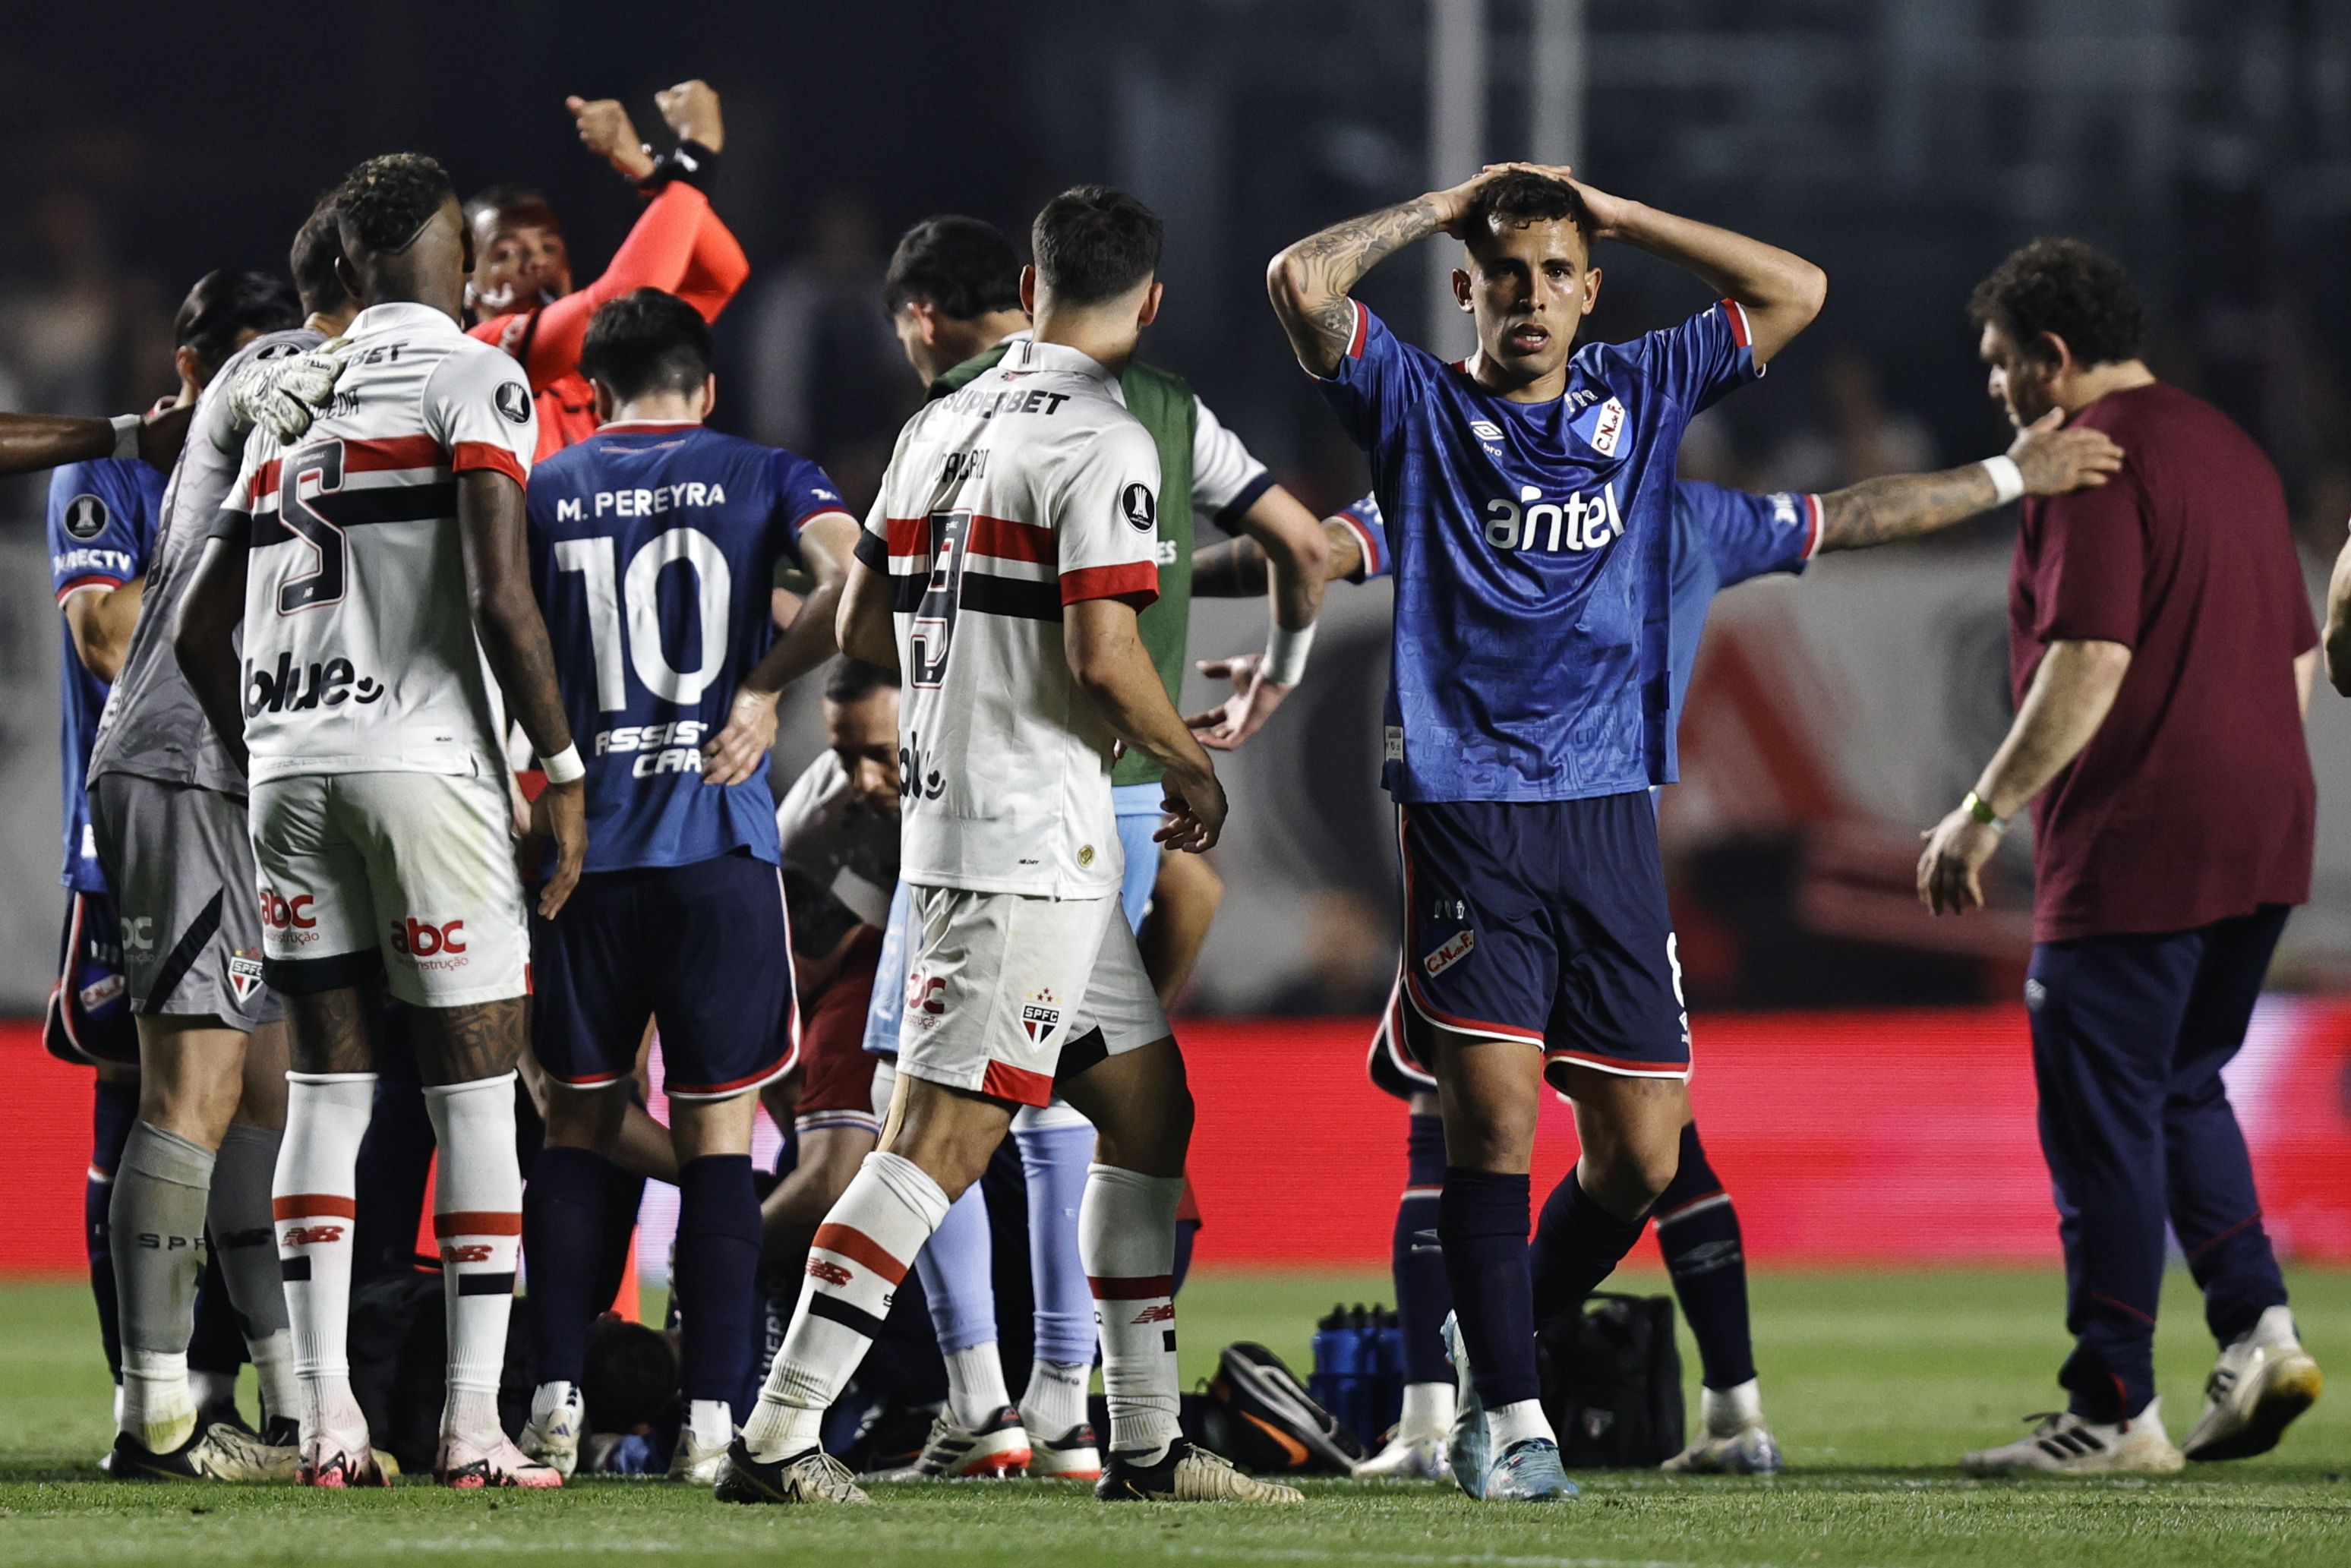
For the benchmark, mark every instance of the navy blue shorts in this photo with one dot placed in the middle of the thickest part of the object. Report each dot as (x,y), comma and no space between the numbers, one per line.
(704,948)
(1545,921)
(87,1020)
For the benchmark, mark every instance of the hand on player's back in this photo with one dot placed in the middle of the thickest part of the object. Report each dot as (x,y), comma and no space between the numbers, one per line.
(283,396)
(2054,459)
(1196,805)
(732,755)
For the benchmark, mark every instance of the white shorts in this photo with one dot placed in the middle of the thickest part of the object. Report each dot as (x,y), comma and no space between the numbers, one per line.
(412,874)
(1001,986)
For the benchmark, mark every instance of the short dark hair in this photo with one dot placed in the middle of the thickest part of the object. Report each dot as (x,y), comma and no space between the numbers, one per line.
(853,679)
(383,201)
(2067,287)
(224,305)
(629,1376)
(962,268)
(644,341)
(1523,196)
(1094,244)
(512,206)
(317,244)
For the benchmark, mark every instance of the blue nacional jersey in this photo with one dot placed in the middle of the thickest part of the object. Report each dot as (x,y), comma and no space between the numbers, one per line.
(1532,545)
(1721,538)
(653,550)
(102,519)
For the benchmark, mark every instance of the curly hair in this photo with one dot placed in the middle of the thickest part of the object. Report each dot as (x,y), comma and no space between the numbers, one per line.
(2066,287)
(383,201)
(1523,196)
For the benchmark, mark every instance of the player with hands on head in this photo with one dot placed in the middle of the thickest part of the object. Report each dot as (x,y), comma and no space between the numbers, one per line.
(1528,499)
(379,575)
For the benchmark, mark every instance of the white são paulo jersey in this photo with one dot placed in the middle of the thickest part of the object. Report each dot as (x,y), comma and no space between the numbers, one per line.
(1030,488)
(359,654)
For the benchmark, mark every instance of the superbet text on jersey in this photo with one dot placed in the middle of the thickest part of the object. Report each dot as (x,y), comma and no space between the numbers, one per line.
(653,548)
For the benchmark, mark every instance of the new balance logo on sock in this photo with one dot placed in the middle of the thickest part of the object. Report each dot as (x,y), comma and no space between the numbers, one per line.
(829,1273)
(1163,1313)
(311,1235)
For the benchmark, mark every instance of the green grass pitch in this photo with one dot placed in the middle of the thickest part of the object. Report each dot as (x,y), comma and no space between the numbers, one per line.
(1874,1382)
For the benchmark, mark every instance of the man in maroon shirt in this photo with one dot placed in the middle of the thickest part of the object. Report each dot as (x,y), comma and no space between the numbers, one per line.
(2161,654)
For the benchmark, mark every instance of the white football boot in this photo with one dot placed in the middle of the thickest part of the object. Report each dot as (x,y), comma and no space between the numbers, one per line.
(1415,1451)
(2262,1380)
(1732,1440)
(557,1421)
(2063,1443)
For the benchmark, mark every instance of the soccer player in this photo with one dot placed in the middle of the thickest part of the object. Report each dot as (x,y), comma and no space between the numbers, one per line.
(521,291)
(1002,570)
(30,443)
(379,575)
(953,292)
(167,820)
(2160,651)
(1528,502)
(653,544)
(1721,538)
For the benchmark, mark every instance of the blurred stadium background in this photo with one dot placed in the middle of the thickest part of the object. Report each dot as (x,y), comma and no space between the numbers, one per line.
(1862,1068)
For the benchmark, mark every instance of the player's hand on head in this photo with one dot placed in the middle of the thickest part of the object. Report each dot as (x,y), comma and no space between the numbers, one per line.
(606,131)
(2054,459)
(690,109)
(1242,715)
(562,811)
(1949,868)
(284,396)
(1453,204)
(732,755)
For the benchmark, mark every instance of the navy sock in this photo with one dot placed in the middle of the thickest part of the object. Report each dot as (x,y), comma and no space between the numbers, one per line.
(1697,1230)
(116,1108)
(1481,1221)
(1577,1245)
(1423,1294)
(562,1243)
(717,1273)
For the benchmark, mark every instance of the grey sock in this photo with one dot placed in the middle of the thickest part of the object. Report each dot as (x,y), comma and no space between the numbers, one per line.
(157,1218)
(244,1232)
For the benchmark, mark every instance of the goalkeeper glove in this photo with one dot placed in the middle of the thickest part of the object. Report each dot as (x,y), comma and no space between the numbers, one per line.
(282,396)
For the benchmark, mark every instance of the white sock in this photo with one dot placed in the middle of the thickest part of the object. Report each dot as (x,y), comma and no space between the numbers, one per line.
(711,1422)
(159,1407)
(1055,1399)
(327,1114)
(862,1250)
(478,1220)
(1508,1424)
(1427,1412)
(211,1388)
(976,1386)
(549,1398)
(1729,1411)
(1126,1238)
(156,1241)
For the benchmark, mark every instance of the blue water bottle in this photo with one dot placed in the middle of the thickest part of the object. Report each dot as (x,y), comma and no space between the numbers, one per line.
(1338,1362)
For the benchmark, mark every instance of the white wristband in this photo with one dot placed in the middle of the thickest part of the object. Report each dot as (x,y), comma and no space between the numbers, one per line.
(126,434)
(564,767)
(1285,654)
(2007,478)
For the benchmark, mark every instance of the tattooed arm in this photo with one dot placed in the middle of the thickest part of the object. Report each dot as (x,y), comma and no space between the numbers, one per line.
(2051,459)
(1310,282)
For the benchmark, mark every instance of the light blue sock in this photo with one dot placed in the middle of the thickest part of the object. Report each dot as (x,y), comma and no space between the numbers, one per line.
(956,1266)
(1055,1161)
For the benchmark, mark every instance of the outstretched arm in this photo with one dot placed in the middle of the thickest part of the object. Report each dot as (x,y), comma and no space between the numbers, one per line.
(1238,568)
(32,442)
(2050,461)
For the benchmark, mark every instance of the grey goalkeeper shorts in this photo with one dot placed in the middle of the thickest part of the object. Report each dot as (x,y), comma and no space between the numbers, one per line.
(180,865)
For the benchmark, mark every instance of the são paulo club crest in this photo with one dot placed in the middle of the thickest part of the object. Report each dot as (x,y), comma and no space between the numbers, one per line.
(1040,1015)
